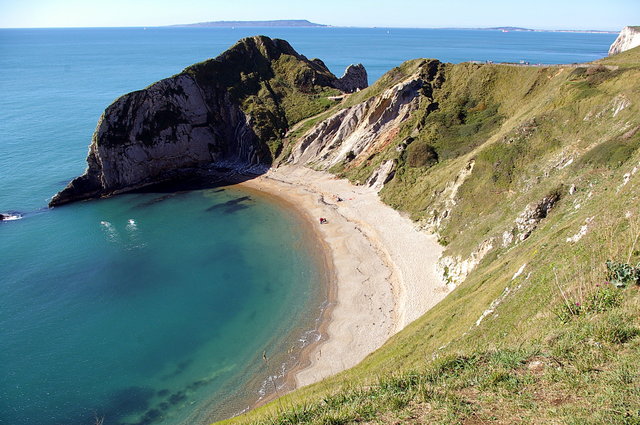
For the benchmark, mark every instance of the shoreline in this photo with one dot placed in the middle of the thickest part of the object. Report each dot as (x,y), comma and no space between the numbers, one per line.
(381,269)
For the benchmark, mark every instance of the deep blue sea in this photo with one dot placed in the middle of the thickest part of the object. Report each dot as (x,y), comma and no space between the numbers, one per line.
(155,308)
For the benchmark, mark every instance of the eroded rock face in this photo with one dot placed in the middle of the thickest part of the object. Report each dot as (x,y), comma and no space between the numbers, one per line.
(146,135)
(529,219)
(354,79)
(358,129)
(628,38)
(382,175)
(454,270)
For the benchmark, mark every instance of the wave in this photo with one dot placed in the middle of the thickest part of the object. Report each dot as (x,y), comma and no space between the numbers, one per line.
(11,216)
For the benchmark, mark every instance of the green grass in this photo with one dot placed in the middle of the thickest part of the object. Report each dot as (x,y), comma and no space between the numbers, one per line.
(561,346)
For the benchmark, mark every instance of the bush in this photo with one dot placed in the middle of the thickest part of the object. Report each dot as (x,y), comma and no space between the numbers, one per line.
(421,155)
(623,274)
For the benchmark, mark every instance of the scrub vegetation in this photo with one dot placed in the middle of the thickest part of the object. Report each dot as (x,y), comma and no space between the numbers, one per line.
(546,328)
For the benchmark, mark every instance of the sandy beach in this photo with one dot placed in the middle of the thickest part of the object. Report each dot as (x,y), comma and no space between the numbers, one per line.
(382,269)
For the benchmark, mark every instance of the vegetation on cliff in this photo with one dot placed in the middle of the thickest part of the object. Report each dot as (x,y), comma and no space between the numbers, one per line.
(532,173)
(275,86)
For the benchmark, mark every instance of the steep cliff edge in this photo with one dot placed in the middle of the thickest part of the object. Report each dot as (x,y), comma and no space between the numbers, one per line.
(229,112)
(628,38)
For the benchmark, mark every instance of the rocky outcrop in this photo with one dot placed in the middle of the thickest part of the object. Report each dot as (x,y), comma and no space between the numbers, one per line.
(220,113)
(358,129)
(146,136)
(628,38)
(529,219)
(382,175)
(354,79)
(454,270)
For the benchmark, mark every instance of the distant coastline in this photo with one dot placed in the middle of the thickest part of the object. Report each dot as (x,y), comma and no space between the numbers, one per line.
(304,23)
(249,24)
(308,24)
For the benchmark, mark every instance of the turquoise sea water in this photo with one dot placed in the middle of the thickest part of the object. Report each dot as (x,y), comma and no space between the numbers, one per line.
(156,307)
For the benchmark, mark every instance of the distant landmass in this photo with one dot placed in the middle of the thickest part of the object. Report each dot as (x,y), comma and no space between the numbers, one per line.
(245,24)
(508,29)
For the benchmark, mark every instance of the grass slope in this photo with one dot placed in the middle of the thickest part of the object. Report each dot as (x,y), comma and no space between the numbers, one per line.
(538,332)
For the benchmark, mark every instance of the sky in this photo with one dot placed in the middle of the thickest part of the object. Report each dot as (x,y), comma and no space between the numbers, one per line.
(539,14)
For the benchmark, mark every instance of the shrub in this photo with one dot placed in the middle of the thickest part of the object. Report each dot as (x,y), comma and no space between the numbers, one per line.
(421,155)
(623,274)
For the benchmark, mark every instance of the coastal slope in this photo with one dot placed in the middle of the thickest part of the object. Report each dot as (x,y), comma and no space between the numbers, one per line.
(229,112)
(528,177)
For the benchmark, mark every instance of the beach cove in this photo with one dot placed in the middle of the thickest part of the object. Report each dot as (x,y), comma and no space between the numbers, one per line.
(376,277)
(382,267)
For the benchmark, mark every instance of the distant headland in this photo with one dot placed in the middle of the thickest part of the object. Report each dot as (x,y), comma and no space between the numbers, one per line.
(245,24)
(520,29)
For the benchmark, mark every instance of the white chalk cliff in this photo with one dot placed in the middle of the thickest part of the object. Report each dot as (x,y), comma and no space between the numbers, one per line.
(628,38)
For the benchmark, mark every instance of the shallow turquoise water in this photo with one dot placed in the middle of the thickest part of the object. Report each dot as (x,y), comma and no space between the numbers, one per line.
(146,303)
(165,316)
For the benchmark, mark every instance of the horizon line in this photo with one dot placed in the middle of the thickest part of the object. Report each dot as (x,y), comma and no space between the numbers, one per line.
(325,26)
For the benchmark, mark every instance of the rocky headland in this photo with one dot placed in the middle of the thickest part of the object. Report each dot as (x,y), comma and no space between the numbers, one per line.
(230,112)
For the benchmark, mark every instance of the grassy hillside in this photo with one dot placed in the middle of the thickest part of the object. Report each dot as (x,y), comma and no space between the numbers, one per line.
(542,330)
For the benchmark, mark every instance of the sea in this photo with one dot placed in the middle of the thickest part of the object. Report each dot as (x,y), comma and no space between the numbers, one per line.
(172,306)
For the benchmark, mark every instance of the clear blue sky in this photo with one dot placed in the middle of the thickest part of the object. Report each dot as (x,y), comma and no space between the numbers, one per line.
(542,14)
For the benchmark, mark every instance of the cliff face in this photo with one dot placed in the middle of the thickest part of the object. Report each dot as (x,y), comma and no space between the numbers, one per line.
(229,112)
(366,128)
(147,135)
(628,38)
(355,78)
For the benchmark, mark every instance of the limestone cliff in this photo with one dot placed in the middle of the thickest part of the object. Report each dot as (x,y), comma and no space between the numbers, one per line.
(355,78)
(628,38)
(228,112)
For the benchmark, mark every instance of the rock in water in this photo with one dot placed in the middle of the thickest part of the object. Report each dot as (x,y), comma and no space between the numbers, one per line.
(628,38)
(229,112)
